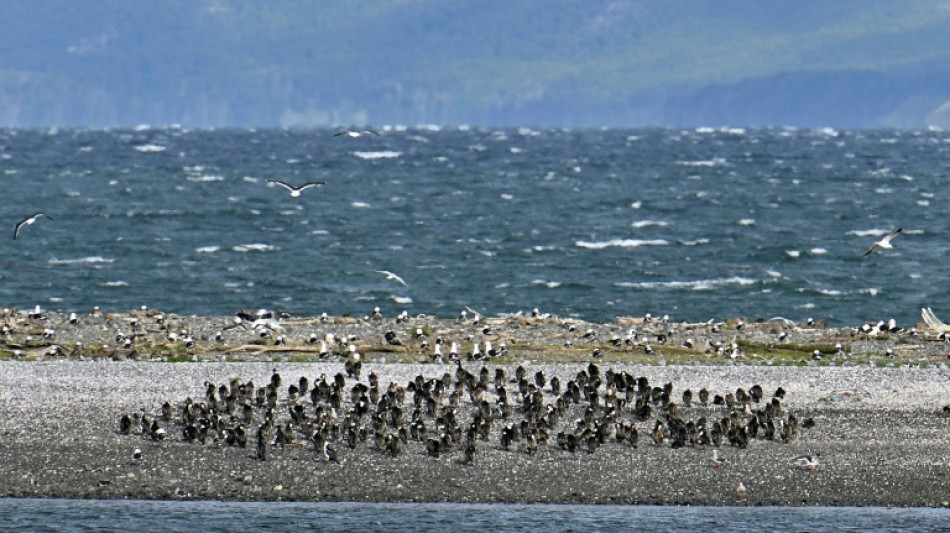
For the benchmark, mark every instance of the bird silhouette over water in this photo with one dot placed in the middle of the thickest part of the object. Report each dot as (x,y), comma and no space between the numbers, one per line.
(28,221)
(394,277)
(295,190)
(885,243)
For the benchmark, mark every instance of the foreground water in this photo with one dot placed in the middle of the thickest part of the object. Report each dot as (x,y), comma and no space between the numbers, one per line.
(171,517)
(696,224)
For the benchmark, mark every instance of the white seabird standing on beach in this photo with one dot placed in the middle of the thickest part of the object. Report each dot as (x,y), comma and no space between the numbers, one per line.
(885,243)
(717,461)
(394,277)
(296,190)
(28,221)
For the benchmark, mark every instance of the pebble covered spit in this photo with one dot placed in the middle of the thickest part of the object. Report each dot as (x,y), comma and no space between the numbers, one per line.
(879,431)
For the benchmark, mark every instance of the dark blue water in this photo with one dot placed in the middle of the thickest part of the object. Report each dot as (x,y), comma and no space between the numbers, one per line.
(172,517)
(696,224)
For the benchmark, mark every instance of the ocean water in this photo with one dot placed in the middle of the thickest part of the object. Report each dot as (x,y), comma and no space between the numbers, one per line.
(172,517)
(691,223)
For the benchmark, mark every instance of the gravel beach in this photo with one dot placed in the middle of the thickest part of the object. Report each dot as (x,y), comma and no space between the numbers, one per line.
(879,431)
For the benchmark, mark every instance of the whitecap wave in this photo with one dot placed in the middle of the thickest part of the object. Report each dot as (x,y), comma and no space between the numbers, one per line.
(147,148)
(360,205)
(403,300)
(205,179)
(693,243)
(115,284)
(714,162)
(382,154)
(647,223)
(95,259)
(207,249)
(829,292)
(695,285)
(546,283)
(874,232)
(255,247)
(621,243)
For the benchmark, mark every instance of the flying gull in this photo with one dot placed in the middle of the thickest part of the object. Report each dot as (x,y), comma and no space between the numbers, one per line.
(295,191)
(808,462)
(394,277)
(27,221)
(885,243)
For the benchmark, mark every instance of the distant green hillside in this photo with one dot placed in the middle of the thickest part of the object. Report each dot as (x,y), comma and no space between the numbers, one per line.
(864,63)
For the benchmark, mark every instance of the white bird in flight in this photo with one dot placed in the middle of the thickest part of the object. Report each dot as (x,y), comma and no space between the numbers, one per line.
(885,243)
(809,462)
(296,190)
(28,221)
(394,277)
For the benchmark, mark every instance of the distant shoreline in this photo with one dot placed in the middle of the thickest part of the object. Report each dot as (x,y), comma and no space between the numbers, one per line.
(150,334)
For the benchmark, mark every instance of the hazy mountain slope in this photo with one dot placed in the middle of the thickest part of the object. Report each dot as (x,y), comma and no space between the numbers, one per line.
(225,62)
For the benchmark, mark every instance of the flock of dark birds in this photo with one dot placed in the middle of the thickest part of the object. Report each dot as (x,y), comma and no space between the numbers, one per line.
(466,411)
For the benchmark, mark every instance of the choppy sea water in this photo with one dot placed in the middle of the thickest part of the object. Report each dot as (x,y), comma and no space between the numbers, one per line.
(696,224)
(171,517)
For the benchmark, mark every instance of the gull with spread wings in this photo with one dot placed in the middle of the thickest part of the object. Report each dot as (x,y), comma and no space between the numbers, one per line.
(885,243)
(394,277)
(296,190)
(28,221)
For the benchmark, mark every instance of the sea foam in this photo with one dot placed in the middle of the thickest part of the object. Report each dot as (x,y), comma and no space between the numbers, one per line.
(621,243)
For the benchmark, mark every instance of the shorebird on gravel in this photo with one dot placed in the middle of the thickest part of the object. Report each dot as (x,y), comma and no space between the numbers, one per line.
(329,453)
(476,353)
(125,425)
(437,356)
(717,461)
